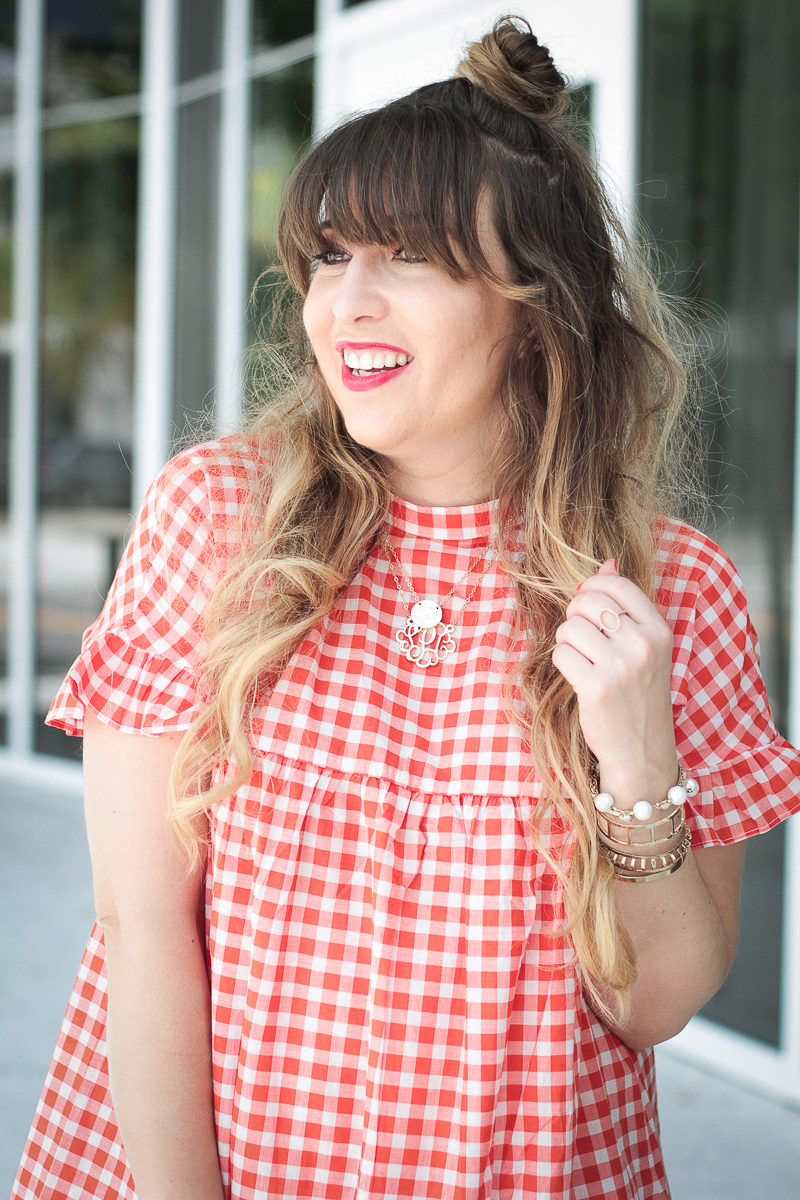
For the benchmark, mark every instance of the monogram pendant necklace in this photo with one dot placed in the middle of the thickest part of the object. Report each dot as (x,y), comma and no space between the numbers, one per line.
(426,639)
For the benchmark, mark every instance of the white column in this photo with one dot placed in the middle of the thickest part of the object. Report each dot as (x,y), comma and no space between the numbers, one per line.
(25,376)
(233,208)
(155,274)
(326,24)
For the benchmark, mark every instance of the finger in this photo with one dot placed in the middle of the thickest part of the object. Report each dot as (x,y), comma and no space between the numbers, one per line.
(600,608)
(622,593)
(609,567)
(585,637)
(573,665)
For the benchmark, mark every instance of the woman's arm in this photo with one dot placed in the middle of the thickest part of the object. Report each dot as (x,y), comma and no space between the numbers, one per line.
(684,927)
(151,910)
(684,931)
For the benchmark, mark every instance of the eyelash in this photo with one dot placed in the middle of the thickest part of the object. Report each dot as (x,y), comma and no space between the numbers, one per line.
(333,257)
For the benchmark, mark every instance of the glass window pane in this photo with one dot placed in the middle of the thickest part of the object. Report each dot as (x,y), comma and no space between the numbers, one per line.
(282,107)
(195,264)
(6,240)
(92,50)
(5,552)
(750,998)
(8,30)
(722,159)
(6,250)
(200,37)
(88,272)
(8,17)
(278,21)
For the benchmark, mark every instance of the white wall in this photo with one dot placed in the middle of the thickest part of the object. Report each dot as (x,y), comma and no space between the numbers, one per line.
(372,53)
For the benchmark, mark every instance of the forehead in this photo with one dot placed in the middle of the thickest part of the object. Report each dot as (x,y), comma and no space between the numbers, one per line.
(456,245)
(351,226)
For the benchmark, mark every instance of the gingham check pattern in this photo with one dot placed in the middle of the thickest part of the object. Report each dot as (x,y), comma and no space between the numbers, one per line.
(392,1015)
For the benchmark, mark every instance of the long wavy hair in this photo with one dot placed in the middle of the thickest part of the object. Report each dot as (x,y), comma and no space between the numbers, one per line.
(591,389)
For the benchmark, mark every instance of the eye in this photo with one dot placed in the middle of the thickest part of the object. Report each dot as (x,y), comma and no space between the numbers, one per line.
(331,257)
(405,256)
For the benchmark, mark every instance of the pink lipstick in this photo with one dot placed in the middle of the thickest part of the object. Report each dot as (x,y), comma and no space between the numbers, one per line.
(382,354)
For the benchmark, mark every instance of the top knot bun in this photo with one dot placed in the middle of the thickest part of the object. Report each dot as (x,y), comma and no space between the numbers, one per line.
(511,66)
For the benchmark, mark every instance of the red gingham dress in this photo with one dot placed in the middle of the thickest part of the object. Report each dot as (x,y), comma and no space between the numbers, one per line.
(392,1015)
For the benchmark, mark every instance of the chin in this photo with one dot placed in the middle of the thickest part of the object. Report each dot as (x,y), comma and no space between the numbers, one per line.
(379,441)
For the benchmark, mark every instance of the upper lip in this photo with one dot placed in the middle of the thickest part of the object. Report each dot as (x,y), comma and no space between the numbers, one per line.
(343,345)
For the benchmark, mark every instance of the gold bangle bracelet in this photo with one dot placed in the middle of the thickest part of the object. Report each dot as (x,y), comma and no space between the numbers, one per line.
(634,867)
(623,878)
(625,833)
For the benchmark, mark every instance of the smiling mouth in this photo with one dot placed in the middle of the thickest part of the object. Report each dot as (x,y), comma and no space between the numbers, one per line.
(366,364)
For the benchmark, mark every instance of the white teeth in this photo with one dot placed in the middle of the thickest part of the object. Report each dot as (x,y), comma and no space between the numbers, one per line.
(374,360)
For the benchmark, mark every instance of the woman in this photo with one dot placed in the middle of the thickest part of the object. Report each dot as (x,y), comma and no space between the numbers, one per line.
(460,736)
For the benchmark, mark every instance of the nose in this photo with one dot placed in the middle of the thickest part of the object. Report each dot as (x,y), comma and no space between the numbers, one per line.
(359,292)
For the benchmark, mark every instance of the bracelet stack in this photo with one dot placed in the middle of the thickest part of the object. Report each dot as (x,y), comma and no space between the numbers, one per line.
(634,868)
(640,843)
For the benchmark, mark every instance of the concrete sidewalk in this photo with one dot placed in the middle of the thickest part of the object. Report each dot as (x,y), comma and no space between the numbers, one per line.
(721,1142)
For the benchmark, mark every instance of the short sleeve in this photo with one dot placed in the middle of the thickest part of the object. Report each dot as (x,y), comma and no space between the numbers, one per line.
(138,668)
(749,776)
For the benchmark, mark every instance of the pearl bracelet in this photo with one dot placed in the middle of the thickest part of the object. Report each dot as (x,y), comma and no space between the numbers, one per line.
(633,827)
(642,810)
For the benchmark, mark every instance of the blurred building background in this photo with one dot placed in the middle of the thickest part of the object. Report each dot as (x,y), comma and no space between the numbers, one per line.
(142,150)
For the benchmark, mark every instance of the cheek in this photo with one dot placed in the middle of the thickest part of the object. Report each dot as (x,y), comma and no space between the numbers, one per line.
(479,345)
(316,316)
(309,317)
(316,321)
(495,336)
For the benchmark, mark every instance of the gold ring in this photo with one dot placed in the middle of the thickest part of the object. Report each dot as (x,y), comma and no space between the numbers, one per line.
(616,619)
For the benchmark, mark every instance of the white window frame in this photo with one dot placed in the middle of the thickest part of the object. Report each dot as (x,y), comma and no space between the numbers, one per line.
(24,416)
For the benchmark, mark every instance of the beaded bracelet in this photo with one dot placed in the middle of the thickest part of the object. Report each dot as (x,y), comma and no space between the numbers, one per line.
(634,825)
(633,829)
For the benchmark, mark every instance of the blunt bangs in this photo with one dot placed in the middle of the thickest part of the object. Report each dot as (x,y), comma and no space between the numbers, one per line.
(411,174)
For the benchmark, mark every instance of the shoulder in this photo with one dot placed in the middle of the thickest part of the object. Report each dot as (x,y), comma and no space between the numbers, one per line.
(688,563)
(208,487)
(701,596)
(227,469)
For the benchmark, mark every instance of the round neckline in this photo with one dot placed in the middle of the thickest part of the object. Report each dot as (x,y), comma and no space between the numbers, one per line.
(460,523)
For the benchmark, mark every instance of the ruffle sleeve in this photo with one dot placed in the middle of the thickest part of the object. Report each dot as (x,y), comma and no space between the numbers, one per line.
(749,775)
(139,661)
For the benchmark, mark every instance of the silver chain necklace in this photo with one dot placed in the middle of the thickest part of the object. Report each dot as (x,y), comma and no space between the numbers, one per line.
(426,639)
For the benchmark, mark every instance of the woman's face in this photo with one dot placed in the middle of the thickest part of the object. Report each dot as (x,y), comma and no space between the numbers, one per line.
(413,360)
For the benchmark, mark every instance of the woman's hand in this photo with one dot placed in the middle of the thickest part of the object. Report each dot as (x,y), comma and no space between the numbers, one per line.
(615,650)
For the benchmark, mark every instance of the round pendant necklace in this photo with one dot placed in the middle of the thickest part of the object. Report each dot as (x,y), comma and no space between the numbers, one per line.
(426,639)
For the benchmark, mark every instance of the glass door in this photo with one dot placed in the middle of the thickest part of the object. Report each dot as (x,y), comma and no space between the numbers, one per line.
(720,110)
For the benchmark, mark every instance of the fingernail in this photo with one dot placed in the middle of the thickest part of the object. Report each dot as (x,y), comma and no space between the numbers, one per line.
(614,563)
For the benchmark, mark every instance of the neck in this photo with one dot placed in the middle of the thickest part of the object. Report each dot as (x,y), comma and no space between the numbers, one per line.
(448,489)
